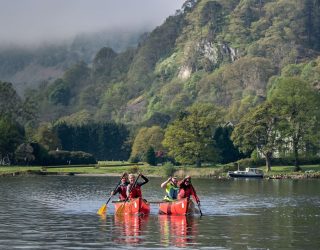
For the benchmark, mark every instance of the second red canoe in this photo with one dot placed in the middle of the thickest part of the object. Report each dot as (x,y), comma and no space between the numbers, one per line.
(178,207)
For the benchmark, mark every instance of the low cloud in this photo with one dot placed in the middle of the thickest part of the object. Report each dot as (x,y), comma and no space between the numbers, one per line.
(34,21)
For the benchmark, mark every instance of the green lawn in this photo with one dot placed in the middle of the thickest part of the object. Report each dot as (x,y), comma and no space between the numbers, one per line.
(91,169)
(290,169)
(113,168)
(12,169)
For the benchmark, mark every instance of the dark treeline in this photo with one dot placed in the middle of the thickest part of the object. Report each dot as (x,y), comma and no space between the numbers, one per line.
(106,141)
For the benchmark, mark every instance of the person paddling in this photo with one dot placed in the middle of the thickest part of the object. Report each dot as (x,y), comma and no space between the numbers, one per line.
(122,188)
(186,190)
(135,191)
(171,187)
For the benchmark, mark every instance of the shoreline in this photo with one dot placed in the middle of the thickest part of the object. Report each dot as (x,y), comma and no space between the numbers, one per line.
(282,176)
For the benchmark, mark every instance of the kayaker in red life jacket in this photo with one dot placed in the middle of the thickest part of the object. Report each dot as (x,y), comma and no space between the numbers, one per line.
(136,190)
(122,188)
(186,190)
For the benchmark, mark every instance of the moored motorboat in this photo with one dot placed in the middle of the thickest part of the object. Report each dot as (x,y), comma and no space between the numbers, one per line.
(248,173)
(136,206)
(178,207)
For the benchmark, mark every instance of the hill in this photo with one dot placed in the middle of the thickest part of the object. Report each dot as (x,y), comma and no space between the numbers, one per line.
(27,67)
(225,52)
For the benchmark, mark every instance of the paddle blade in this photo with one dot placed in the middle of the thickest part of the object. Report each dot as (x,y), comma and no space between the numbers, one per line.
(102,210)
(120,210)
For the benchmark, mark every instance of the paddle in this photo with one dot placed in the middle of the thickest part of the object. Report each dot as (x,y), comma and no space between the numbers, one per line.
(103,209)
(197,202)
(120,209)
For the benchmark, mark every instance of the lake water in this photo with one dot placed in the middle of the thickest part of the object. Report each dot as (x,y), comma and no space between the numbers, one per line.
(59,212)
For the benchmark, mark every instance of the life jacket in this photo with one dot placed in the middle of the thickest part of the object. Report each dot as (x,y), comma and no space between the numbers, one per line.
(135,192)
(122,192)
(186,192)
(172,192)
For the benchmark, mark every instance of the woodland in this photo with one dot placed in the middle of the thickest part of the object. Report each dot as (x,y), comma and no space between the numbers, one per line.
(217,82)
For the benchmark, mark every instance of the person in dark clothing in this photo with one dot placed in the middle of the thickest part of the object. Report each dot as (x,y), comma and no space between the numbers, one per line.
(122,188)
(135,191)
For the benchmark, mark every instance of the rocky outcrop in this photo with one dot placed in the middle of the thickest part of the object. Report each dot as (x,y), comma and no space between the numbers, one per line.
(207,55)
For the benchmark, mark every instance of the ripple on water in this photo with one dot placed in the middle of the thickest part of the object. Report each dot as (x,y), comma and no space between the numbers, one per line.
(60,213)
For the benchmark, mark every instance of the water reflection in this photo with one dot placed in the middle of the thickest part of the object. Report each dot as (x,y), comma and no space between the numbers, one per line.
(59,212)
(129,228)
(179,231)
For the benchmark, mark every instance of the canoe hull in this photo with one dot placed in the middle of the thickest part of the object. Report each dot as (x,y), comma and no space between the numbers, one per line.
(234,175)
(247,173)
(178,207)
(136,206)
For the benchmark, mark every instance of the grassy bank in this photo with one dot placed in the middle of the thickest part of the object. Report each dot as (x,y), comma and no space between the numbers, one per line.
(117,168)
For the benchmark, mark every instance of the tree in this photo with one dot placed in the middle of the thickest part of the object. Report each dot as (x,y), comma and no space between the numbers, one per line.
(106,141)
(59,93)
(151,156)
(258,130)
(298,106)
(11,135)
(227,151)
(189,139)
(47,137)
(146,138)
(11,105)
(24,154)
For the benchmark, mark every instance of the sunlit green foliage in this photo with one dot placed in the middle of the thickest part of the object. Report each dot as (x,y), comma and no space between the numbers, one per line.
(257,129)
(145,139)
(46,136)
(298,106)
(189,139)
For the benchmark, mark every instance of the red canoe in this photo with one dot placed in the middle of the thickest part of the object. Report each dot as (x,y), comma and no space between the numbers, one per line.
(136,206)
(178,207)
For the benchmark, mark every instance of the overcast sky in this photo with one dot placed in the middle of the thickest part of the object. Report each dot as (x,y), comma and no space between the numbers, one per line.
(29,21)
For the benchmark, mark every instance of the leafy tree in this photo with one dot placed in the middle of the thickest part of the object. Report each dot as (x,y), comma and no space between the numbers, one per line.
(11,105)
(59,93)
(234,83)
(106,141)
(102,64)
(46,136)
(258,130)
(75,78)
(151,157)
(77,119)
(11,135)
(157,119)
(298,106)
(189,139)
(112,102)
(24,154)
(227,151)
(146,138)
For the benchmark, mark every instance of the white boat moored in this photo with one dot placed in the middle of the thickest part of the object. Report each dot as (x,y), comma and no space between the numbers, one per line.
(248,173)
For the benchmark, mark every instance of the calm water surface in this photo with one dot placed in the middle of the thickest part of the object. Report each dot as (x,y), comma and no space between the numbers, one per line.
(59,212)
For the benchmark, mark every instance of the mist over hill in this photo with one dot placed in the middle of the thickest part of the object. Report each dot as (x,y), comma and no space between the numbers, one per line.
(225,52)
(214,75)
(28,66)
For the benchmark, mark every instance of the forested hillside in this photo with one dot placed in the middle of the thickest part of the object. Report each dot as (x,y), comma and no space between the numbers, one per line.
(228,54)
(28,66)
(224,52)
